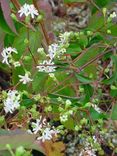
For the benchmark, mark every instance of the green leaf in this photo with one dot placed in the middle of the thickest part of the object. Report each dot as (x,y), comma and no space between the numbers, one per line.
(114,112)
(113,92)
(95,115)
(18,138)
(39,81)
(73,49)
(21,46)
(97,38)
(27,102)
(83,41)
(34,41)
(88,89)
(114,76)
(83,79)
(94,23)
(90,54)
(101,3)
(69,124)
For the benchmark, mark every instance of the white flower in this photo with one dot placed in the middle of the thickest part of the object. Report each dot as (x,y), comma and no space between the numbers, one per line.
(53,48)
(33,11)
(40,50)
(27,10)
(25,79)
(113,15)
(17,64)
(6,53)
(12,102)
(68,102)
(47,134)
(87,152)
(95,139)
(60,99)
(64,38)
(37,126)
(70,112)
(96,108)
(64,118)
(46,66)
(52,75)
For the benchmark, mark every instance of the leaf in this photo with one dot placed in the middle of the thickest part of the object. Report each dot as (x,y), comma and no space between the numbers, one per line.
(95,115)
(97,38)
(113,92)
(39,81)
(101,3)
(27,102)
(18,138)
(54,149)
(34,41)
(69,124)
(4,25)
(21,46)
(73,49)
(114,112)
(88,89)
(90,54)
(83,79)
(114,76)
(2,35)
(94,23)
(5,5)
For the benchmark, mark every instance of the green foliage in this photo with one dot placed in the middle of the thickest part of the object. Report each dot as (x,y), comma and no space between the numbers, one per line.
(114,77)
(114,112)
(56,85)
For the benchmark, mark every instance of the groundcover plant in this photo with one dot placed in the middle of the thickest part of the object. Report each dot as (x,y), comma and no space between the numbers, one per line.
(58,84)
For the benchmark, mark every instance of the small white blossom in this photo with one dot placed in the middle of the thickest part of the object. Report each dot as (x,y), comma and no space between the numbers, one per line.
(27,10)
(17,64)
(68,102)
(40,50)
(53,48)
(60,99)
(113,15)
(70,112)
(64,38)
(47,134)
(46,66)
(95,139)
(52,75)
(64,118)
(88,152)
(25,79)
(96,108)
(12,102)
(37,126)
(6,53)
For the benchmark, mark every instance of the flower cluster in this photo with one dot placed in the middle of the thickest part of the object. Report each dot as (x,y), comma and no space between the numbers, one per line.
(25,79)
(27,10)
(41,127)
(88,152)
(6,54)
(54,50)
(12,102)
(46,66)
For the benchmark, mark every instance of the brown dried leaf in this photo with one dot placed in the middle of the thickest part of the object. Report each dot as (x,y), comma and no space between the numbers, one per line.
(54,149)
(5,5)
